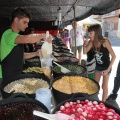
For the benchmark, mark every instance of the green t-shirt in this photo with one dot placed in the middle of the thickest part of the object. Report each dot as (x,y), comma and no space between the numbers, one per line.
(7,44)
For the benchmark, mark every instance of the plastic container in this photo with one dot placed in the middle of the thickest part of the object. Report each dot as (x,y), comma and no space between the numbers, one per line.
(20,107)
(75,69)
(62,96)
(32,62)
(67,60)
(82,98)
(44,96)
(21,76)
(46,64)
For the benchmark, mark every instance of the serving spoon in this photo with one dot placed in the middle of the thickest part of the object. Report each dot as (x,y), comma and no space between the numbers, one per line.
(58,116)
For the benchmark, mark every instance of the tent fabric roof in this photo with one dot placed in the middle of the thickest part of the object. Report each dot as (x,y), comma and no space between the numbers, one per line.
(89,20)
(47,10)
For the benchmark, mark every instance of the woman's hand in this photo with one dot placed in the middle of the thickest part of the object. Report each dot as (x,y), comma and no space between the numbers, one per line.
(105,72)
(85,43)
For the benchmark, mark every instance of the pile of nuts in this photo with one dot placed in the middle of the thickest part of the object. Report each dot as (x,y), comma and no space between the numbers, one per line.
(75,84)
(26,85)
(33,69)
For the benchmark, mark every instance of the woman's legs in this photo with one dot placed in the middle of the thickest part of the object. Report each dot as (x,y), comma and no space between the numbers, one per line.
(97,76)
(105,87)
(104,84)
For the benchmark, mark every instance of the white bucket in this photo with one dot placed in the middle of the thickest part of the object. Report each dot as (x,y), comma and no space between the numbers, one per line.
(44,96)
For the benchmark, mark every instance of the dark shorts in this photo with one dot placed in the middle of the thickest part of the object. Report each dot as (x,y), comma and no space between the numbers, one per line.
(100,69)
(79,48)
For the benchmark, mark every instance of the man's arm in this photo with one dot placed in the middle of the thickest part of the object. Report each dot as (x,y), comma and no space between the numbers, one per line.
(32,54)
(32,38)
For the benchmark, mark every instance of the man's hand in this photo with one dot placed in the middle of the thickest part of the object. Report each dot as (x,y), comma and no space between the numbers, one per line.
(43,36)
(38,52)
(49,39)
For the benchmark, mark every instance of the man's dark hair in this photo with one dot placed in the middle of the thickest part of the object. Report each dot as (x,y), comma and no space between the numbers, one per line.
(20,12)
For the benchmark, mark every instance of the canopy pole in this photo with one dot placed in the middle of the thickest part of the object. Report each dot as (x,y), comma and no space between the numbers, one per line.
(75,31)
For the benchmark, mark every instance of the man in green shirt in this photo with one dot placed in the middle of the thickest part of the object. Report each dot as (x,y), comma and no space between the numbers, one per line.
(12,44)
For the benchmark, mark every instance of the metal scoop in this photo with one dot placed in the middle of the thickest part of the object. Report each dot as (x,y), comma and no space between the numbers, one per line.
(58,116)
(63,69)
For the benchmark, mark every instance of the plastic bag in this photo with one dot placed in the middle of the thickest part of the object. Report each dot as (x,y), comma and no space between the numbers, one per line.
(46,48)
(44,96)
(90,66)
(46,65)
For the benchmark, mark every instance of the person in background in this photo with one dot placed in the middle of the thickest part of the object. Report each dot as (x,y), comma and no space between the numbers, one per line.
(31,30)
(86,37)
(66,37)
(116,87)
(61,34)
(103,50)
(79,40)
(29,47)
(12,44)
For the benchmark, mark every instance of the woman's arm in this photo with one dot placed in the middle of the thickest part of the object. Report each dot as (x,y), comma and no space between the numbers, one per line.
(113,56)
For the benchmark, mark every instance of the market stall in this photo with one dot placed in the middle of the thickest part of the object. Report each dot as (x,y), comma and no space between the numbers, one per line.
(72,88)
